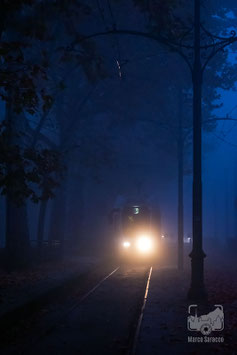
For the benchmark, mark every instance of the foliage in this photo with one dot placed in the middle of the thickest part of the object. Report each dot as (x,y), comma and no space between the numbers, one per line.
(25,172)
(30,34)
(34,36)
(18,73)
(166,17)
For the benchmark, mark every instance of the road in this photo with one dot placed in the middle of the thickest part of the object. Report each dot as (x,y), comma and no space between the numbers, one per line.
(100,316)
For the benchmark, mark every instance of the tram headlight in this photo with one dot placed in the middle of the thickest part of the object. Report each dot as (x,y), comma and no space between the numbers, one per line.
(126,244)
(144,243)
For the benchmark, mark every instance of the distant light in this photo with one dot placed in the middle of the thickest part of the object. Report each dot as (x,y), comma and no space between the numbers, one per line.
(144,244)
(162,236)
(136,210)
(126,244)
(187,240)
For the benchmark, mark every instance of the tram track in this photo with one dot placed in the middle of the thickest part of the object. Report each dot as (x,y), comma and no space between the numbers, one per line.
(76,304)
(139,322)
(53,325)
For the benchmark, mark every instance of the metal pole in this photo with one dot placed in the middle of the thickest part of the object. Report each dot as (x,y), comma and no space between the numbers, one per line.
(180,183)
(197,289)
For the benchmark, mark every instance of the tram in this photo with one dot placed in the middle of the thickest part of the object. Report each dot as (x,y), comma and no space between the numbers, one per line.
(136,231)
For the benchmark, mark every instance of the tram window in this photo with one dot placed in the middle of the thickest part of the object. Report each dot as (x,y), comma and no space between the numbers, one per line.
(136,210)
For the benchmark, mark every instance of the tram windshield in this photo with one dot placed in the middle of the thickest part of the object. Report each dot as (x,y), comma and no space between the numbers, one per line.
(136,216)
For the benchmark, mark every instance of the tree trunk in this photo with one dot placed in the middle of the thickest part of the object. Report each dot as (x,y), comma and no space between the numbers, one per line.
(41,226)
(76,212)
(58,219)
(17,233)
(57,223)
(180,187)
(58,212)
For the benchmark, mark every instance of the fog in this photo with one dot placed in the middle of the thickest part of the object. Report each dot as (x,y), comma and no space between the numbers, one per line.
(113,118)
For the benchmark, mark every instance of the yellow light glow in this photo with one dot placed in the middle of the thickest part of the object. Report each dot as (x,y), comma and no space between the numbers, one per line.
(144,244)
(126,244)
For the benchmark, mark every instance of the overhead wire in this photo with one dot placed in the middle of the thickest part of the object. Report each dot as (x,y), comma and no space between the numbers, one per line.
(120,63)
(116,40)
(224,140)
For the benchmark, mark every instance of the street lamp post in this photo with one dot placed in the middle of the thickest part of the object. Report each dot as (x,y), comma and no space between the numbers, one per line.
(197,289)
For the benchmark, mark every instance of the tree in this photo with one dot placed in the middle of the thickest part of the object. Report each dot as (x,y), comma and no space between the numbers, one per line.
(23,77)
